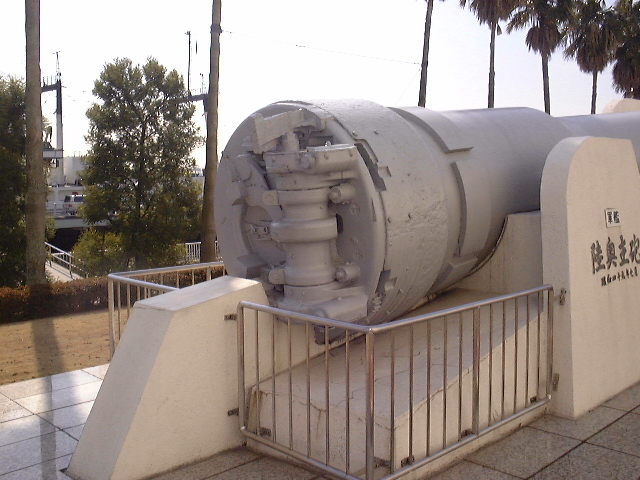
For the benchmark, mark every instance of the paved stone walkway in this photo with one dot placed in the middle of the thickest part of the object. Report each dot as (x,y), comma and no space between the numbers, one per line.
(41,421)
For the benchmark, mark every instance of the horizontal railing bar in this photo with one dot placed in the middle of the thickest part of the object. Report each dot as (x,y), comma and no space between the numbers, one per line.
(53,247)
(393,324)
(454,310)
(141,283)
(327,322)
(414,466)
(179,268)
(298,456)
(57,259)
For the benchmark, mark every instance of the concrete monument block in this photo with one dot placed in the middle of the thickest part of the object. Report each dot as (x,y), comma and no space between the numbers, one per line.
(622,105)
(590,199)
(173,381)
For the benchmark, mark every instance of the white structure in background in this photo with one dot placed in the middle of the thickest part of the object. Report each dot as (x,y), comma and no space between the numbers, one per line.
(65,184)
(65,171)
(63,180)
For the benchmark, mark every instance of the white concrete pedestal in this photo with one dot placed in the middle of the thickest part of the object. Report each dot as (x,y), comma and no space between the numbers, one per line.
(172,380)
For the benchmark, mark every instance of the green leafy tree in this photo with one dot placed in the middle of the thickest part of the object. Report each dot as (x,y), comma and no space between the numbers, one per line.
(12,182)
(491,12)
(100,252)
(626,69)
(592,38)
(138,170)
(546,20)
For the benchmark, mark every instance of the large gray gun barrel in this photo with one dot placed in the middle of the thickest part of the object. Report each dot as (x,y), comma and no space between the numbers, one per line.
(354,211)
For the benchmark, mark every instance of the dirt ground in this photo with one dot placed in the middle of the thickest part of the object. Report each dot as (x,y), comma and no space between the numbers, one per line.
(37,348)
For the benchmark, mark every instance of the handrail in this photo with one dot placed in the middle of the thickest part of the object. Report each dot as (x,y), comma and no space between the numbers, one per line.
(63,259)
(385,327)
(142,283)
(153,271)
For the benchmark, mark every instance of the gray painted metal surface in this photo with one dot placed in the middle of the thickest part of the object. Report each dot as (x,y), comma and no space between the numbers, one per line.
(350,210)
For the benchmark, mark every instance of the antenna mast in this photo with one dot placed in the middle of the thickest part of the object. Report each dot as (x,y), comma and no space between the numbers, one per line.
(55,85)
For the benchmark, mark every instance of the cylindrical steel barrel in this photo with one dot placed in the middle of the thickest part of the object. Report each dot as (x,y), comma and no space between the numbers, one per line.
(417,198)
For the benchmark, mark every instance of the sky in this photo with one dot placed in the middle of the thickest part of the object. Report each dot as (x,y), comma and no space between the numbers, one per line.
(290,50)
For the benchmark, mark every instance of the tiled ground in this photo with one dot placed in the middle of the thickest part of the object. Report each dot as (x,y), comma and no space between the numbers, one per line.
(41,421)
(602,445)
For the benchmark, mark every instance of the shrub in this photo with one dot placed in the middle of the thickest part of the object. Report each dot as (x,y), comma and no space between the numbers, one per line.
(40,301)
(78,296)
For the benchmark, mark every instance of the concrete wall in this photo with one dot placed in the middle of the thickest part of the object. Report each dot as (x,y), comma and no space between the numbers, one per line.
(590,198)
(171,382)
(622,105)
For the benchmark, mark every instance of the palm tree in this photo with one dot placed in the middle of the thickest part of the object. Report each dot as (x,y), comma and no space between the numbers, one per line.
(592,40)
(626,69)
(422,94)
(491,12)
(546,19)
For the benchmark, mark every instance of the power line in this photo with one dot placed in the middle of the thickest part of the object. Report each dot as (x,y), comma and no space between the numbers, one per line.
(323,49)
(409,84)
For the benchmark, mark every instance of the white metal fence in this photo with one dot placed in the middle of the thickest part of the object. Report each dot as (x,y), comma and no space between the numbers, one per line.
(397,395)
(55,208)
(192,252)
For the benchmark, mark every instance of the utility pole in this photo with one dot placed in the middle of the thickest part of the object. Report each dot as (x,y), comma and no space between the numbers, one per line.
(208,245)
(189,64)
(35,199)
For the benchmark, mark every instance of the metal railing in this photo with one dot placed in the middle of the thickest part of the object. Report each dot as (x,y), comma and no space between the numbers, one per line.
(125,288)
(55,208)
(65,260)
(192,252)
(397,395)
